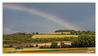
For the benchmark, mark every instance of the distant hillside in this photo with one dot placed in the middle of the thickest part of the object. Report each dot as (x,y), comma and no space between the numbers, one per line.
(58,35)
(17,38)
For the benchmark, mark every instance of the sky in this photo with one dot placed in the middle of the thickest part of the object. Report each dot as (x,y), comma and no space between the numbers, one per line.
(47,17)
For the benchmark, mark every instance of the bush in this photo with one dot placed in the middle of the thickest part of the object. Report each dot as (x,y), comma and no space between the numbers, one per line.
(31,46)
(64,45)
(10,46)
(5,46)
(54,45)
(19,48)
(44,47)
(36,45)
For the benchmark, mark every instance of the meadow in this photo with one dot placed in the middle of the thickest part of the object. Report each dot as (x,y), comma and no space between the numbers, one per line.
(50,50)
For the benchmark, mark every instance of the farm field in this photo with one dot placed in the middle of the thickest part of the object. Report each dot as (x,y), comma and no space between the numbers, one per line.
(53,36)
(50,50)
(49,43)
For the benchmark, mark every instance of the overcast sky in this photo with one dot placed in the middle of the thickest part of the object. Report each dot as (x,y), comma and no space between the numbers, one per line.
(80,14)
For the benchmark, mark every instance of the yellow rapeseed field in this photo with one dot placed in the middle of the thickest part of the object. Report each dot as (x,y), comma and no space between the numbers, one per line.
(53,36)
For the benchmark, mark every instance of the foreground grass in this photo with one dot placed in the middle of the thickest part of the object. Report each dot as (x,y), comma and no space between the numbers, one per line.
(36,50)
(57,49)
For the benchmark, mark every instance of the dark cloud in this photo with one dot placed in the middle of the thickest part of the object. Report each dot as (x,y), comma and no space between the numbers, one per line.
(80,14)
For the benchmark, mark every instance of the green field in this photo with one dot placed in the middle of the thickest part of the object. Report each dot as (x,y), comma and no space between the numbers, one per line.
(50,50)
(53,36)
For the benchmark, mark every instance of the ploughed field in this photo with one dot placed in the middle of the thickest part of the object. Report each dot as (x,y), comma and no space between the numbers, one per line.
(53,36)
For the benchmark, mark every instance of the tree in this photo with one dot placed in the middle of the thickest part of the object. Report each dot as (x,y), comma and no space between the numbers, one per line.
(37,33)
(54,45)
(84,41)
(36,45)
(62,45)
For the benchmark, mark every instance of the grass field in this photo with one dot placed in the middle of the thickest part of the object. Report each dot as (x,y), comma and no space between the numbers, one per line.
(53,36)
(50,50)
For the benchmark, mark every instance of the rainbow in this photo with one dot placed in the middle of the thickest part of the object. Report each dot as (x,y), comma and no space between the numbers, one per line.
(48,16)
